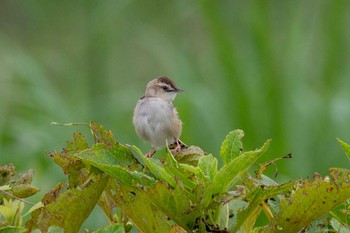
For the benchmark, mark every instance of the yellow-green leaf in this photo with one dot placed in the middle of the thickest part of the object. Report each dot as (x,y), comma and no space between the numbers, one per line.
(346,147)
(310,201)
(232,146)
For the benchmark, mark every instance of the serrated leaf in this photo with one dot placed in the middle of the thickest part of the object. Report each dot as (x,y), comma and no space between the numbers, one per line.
(233,171)
(76,145)
(101,135)
(254,199)
(230,173)
(66,160)
(70,209)
(310,201)
(176,203)
(232,146)
(346,147)
(340,175)
(137,206)
(120,152)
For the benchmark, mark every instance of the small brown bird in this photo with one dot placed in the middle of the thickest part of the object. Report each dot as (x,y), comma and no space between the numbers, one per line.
(155,117)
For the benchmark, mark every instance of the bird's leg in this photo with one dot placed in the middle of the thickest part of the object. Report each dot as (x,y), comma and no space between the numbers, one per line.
(151,152)
(178,145)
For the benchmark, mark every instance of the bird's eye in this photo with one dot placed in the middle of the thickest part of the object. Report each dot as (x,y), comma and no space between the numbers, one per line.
(165,88)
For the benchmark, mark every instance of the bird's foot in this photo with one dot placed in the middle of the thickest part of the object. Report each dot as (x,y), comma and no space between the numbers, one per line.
(178,146)
(150,153)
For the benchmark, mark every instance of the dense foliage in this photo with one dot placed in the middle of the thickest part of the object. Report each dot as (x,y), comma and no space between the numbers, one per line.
(183,192)
(277,69)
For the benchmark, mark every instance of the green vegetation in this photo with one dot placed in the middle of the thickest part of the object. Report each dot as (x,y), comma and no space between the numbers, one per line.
(277,69)
(194,195)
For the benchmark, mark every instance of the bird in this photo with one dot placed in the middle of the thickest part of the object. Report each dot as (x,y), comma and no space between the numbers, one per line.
(155,118)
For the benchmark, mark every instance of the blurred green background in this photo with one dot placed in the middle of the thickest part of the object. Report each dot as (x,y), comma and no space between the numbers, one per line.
(276,69)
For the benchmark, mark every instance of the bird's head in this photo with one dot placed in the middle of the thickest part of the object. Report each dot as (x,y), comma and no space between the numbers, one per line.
(162,87)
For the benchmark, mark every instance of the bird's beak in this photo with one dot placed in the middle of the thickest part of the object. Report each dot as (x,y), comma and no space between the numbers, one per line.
(177,90)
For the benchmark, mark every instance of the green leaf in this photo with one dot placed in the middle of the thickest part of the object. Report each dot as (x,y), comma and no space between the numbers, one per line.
(338,227)
(196,171)
(101,135)
(11,229)
(98,154)
(170,160)
(124,157)
(137,206)
(233,171)
(55,229)
(346,147)
(52,229)
(68,209)
(139,202)
(8,213)
(66,160)
(34,207)
(114,228)
(310,201)
(254,199)
(182,177)
(189,155)
(179,205)
(76,145)
(104,160)
(230,173)
(5,188)
(12,211)
(208,165)
(232,146)
(156,168)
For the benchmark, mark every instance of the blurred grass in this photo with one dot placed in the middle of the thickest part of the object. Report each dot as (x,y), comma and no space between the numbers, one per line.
(276,69)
